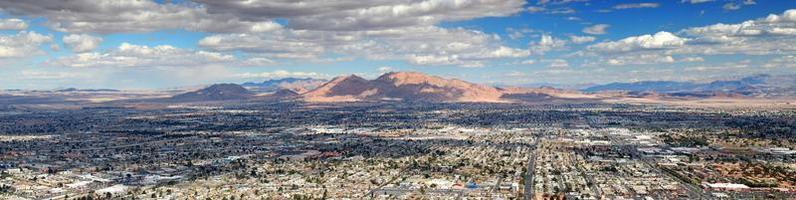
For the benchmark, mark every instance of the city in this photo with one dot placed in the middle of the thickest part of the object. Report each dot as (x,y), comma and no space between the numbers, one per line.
(397,99)
(389,151)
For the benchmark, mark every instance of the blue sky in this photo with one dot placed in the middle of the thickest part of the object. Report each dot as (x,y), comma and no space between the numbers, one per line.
(156,45)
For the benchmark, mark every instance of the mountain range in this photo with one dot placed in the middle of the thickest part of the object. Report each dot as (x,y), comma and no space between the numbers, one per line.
(273,85)
(216,92)
(393,86)
(415,86)
(762,85)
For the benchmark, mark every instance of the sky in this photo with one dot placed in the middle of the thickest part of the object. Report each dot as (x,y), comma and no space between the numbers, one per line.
(142,44)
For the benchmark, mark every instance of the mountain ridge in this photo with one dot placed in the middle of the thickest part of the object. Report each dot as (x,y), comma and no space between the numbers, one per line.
(760,85)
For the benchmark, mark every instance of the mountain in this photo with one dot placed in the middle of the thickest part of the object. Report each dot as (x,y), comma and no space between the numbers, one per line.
(644,86)
(415,86)
(343,88)
(217,92)
(406,86)
(762,85)
(295,84)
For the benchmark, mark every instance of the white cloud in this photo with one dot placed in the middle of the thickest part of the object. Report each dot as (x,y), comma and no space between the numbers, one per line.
(427,45)
(362,15)
(731,6)
(22,44)
(379,30)
(772,35)
(535,9)
(279,74)
(82,42)
(641,59)
(597,29)
(528,62)
(519,33)
(547,43)
(660,40)
(258,62)
(696,1)
(111,16)
(581,39)
(737,6)
(13,24)
(636,5)
(130,55)
(692,59)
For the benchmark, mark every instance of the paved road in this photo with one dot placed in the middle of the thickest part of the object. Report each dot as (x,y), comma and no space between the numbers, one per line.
(530,172)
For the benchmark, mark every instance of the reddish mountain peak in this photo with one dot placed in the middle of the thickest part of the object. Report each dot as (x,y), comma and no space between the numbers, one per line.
(341,85)
(404,78)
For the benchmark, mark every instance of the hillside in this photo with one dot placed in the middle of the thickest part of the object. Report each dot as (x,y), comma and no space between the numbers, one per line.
(217,92)
(274,85)
(751,86)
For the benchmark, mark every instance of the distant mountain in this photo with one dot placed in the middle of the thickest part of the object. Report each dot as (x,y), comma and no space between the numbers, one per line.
(217,92)
(762,85)
(652,86)
(415,86)
(296,84)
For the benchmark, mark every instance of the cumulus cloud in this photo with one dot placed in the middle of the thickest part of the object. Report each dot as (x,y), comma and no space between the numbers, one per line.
(731,6)
(257,61)
(130,55)
(772,35)
(82,42)
(660,40)
(547,43)
(380,29)
(427,45)
(282,44)
(597,29)
(370,15)
(13,24)
(110,16)
(22,44)
(581,39)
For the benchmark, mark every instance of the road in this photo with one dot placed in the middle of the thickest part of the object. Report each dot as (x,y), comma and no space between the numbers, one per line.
(528,192)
